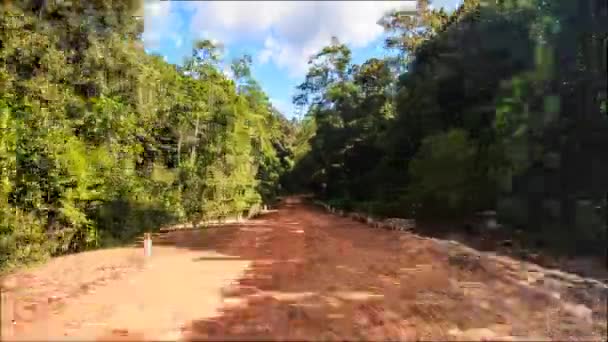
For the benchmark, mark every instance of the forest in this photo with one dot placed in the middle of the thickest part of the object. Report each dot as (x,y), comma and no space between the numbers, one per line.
(499,105)
(100,141)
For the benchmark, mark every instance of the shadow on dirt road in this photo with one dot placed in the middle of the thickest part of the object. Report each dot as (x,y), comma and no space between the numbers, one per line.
(321,277)
(301,274)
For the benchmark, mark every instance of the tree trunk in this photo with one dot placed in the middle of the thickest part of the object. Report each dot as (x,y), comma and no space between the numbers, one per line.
(193,151)
(179,148)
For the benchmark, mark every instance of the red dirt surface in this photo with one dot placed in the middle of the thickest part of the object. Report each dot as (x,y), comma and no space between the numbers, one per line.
(294,274)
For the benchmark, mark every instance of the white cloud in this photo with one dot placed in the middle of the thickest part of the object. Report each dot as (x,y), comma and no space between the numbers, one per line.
(228,72)
(155,8)
(158,20)
(270,48)
(291,31)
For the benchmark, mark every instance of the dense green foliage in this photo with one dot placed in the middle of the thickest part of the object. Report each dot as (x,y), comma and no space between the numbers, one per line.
(100,141)
(498,105)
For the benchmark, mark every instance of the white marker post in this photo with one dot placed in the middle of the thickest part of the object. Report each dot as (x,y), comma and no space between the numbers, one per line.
(7,309)
(147,245)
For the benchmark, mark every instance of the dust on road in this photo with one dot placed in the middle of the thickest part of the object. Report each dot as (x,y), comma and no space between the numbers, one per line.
(296,274)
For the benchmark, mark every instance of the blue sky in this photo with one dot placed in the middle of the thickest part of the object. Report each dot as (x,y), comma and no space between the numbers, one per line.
(279,35)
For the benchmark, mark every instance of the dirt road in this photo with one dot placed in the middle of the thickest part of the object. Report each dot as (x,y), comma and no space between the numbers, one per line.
(295,274)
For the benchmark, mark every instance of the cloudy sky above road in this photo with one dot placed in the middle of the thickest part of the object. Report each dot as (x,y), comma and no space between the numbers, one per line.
(279,35)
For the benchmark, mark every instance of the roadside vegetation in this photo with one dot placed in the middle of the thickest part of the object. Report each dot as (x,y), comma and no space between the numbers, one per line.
(496,106)
(100,141)
(499,105)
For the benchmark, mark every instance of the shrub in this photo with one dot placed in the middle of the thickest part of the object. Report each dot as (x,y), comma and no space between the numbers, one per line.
(451,177)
